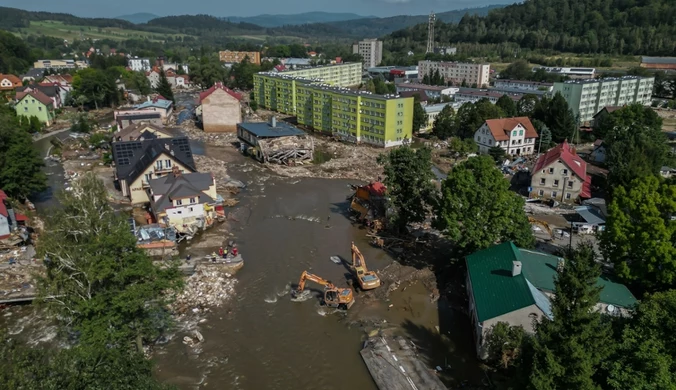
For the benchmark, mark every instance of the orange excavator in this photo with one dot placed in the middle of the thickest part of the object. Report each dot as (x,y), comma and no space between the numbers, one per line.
(368,280)
(342,298)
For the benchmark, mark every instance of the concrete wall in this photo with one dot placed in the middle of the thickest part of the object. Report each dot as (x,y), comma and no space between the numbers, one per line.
(221,112)
(549,183)
(524,317)
(4,226)
(137,192)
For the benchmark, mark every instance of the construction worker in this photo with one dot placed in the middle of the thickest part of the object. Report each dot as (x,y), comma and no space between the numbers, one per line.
(221,252)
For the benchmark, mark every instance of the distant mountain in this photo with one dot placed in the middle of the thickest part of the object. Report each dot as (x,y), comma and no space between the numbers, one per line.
(267,20)
(11,18)
(138,18)
(376,27)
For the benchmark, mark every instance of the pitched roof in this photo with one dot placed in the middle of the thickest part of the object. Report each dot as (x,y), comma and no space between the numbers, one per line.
(496,292)
(421,94)
(205,94)
(500,128)
(135,130)
(157,102)
(33,73)
(37,95)
(133,157)
(16,82)
(608,109)
(562,152)
(180,186)
(658,60)
(48,89)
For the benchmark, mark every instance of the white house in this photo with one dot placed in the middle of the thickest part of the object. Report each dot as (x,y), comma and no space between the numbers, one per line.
(515,135)
(139,64)
(153,78)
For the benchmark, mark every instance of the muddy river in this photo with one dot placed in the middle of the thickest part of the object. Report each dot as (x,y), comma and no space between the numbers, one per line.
(261,339)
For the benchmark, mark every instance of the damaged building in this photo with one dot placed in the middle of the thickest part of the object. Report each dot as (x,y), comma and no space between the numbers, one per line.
(369,203)
(276,142)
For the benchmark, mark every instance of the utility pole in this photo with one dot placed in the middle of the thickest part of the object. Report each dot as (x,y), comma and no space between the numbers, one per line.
(430,33)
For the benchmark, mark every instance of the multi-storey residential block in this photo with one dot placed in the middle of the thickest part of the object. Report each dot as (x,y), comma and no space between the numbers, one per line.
(457,72)
(515,135)
(371,50)
(573,73)
(139,64)
(381,120)
(235,57)
(587,97)
(59,64)
(523,85)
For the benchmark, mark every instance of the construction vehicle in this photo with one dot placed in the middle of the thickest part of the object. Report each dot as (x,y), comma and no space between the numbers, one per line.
(544,224)
(368,280)
(342,298)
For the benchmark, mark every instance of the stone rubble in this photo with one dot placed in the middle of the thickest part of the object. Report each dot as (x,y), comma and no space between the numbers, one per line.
(207,288)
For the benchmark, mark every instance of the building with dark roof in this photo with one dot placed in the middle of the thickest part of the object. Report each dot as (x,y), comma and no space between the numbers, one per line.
(274,141)
(138,162)
(515,286)
(664,63)
(561,175)
(33,75)
(181,200)
(49,89)
(137,132)
(125,118)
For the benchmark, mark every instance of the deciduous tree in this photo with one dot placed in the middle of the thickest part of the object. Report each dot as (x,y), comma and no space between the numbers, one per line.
(507,105)
(570,348)
(164,88)
(444,123)
(517,70)
(408,177)
(477,209)
(640,234)
(419,114)
(97,281)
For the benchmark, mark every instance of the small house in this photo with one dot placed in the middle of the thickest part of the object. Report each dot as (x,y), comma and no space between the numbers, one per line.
(9,82)
(138,162)
(37,104)
(515,286)
(52,90)
(9,219)
(219,109)
(158,104)
(274,141)
(516,136)
(141,131)
(125,118)
(181,200)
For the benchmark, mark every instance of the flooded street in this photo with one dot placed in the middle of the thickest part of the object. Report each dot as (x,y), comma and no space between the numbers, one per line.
(261,339)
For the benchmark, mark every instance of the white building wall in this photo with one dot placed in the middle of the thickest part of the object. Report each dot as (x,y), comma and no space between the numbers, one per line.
(139,64)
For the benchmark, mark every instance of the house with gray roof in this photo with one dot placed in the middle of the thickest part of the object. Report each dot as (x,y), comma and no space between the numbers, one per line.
(181,200)
(515,286)
(138,162)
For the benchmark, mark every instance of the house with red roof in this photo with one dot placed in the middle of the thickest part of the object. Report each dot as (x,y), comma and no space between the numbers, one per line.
(9,220)
(561,175)
(219,109)
(515,135)
(8,82)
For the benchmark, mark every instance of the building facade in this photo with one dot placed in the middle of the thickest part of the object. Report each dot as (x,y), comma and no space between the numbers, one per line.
(59,64)
(587,97)
(524,85)
(139,64)
(457,72)
(516,136)
(380,120)
(560,175)
(341,75)
(432,91)
(573,73)
(9,82)
(235,57)
(219,109)
(37,104)
(371,51)
(664,63)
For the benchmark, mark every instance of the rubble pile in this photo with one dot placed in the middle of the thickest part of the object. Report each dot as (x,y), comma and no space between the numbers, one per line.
(216,139)
(208,287)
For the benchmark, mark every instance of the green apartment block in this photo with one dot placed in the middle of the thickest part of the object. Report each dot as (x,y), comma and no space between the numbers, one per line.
(587,97)
(380,120)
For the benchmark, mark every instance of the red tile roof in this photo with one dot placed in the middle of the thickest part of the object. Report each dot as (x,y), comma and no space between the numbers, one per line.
(566,155)
(37,95)
(16,82)
(205,94)
(500,128)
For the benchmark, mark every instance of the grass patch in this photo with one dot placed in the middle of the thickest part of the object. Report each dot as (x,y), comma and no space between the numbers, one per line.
(70,32)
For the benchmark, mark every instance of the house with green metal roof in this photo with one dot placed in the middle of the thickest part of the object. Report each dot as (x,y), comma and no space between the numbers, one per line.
(513,285)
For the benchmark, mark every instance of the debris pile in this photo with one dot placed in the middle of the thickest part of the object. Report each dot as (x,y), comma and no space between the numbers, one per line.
(208,287)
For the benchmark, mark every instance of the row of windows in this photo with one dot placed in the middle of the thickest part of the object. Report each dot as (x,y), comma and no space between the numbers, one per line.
(555,183)
(553,194)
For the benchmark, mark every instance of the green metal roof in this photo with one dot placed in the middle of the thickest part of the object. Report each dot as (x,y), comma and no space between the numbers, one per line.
(497,292)
(540,269)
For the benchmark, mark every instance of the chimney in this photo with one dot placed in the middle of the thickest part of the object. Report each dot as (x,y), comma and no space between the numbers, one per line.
(516,268)
(273,121)
(176,171)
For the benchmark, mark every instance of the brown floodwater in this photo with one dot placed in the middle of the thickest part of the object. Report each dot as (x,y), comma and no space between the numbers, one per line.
(261,339)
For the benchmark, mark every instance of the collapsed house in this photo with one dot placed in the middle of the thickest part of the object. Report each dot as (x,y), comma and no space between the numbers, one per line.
(276,142)
(369,203)
(156,240)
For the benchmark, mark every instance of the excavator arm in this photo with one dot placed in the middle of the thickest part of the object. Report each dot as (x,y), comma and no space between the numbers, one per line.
(357,258)
(305,276)
(544,224)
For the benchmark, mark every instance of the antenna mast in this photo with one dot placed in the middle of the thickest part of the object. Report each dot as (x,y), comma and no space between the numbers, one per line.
(430,33)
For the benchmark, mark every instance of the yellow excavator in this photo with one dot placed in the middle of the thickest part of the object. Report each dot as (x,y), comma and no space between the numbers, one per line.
(368,280)
(544,224)
(342,298)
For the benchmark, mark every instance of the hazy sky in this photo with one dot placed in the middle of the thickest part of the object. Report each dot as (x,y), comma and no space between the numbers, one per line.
(103,8)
